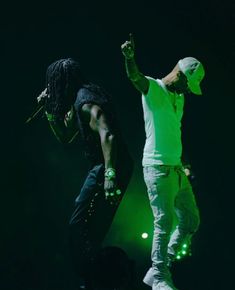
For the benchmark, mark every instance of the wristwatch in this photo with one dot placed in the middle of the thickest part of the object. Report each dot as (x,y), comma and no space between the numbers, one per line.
(110,173)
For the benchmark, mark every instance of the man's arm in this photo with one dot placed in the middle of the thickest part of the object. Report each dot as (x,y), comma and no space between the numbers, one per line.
(140,82)
(99,125)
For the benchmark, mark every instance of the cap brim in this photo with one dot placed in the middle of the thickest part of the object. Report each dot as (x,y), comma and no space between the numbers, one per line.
(195,88)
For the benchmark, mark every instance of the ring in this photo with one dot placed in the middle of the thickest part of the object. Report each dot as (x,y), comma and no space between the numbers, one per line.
(118,192)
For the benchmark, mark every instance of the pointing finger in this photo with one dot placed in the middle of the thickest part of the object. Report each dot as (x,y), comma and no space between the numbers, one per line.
(132,40)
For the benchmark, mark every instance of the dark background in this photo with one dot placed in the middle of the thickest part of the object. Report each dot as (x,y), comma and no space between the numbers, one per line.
(40,177)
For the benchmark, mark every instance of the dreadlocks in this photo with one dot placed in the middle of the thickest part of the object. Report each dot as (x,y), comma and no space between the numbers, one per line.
(63,80)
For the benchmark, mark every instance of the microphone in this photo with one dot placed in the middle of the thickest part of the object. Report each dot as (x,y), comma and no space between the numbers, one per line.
(35,113)
(41,102)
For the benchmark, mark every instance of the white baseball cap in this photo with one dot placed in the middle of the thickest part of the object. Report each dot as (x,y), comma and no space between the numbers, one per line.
(194,71)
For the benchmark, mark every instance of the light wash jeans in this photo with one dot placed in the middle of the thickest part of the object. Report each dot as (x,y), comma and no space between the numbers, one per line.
(176,216)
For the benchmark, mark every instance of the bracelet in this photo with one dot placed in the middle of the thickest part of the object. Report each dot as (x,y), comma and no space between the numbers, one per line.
(117,192)
(110,173)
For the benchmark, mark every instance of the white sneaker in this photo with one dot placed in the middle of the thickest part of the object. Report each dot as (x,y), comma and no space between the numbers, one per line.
(148,279)
(163,285)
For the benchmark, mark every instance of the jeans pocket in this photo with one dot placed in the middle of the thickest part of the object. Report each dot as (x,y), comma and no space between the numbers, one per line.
(163,170)
(153,175)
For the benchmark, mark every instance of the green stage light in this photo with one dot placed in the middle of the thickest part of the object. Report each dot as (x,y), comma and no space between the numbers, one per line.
(144,236)
(184,246)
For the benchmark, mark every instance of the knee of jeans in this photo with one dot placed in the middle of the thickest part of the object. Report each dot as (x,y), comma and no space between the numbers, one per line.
(72,222)
(197,221)
(163,223)
(76,221)
(194,222)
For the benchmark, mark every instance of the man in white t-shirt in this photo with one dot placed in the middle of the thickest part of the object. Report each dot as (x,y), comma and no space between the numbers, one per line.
(169,190)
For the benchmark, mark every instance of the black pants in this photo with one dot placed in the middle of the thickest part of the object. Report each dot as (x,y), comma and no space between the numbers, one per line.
(93,214)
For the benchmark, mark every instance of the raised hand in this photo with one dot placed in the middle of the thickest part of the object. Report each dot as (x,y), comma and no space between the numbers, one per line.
(128,48)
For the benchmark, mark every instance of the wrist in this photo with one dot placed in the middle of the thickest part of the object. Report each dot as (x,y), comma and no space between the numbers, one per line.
(130,57)
(110,173)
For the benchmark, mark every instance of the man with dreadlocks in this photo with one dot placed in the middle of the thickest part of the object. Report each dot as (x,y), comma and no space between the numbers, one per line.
(76,107)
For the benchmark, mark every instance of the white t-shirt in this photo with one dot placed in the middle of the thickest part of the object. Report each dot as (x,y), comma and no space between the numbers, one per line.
(163,112)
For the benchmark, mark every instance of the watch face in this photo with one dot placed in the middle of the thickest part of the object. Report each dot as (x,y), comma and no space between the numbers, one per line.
(110,173)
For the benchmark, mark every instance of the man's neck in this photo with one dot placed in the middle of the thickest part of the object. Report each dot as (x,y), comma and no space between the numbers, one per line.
(169,81)
(169,85)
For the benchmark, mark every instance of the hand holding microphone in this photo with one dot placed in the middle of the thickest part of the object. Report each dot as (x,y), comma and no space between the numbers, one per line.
(41,100)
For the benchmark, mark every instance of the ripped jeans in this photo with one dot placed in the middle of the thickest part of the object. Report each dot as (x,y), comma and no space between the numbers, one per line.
(176,216)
